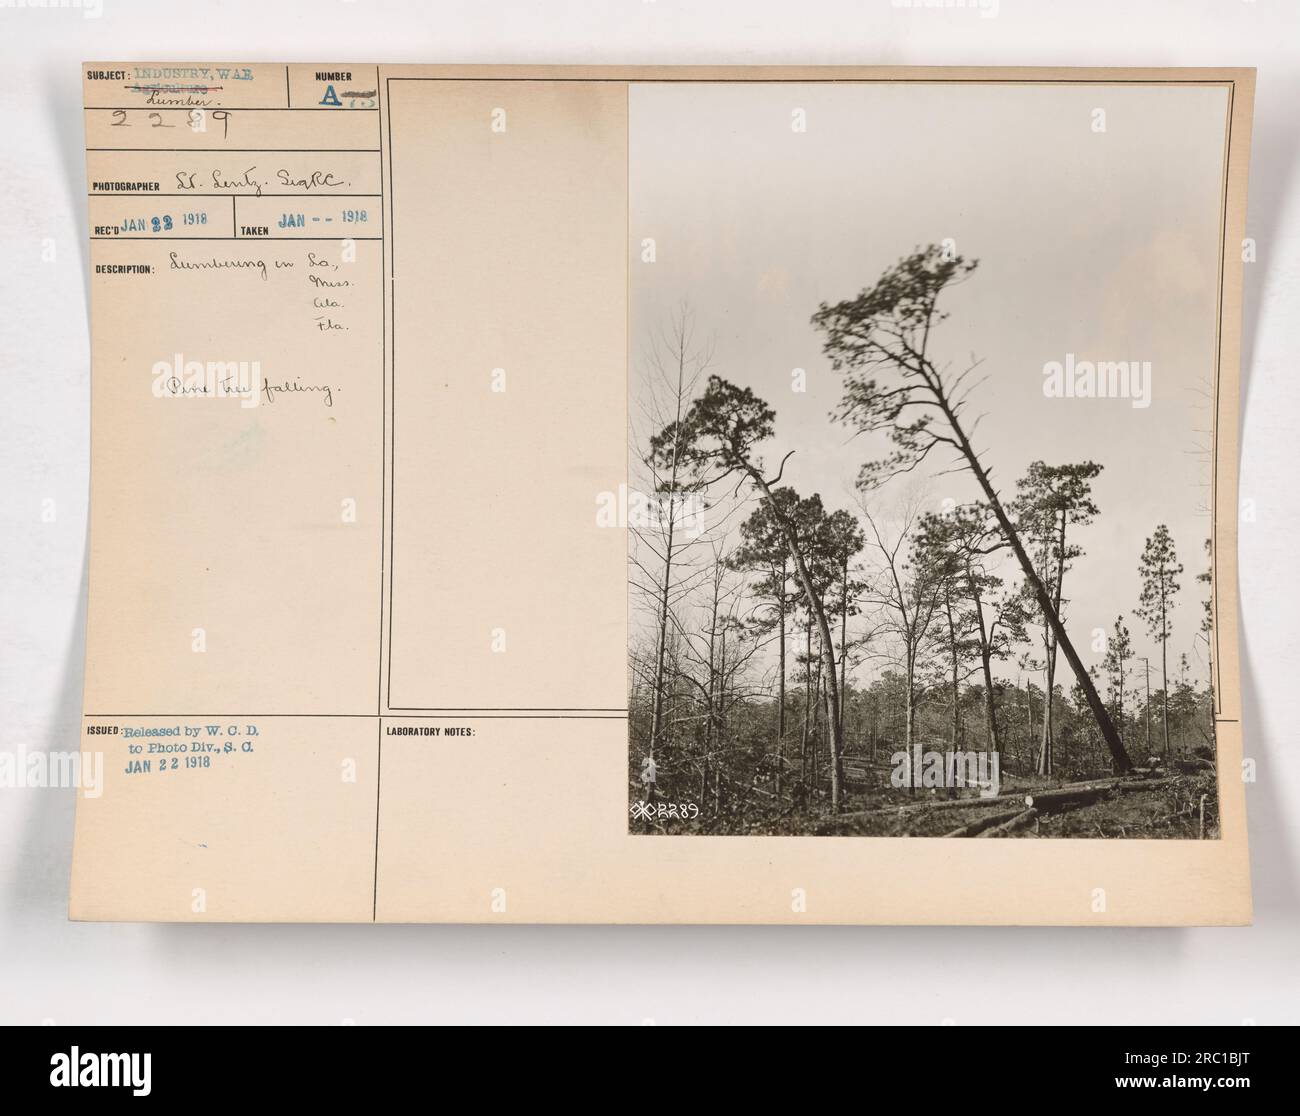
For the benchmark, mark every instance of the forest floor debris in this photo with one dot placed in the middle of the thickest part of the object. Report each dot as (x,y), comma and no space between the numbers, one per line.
(1179,806)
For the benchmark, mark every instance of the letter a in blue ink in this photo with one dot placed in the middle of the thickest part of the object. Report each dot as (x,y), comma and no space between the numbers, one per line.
(331,98)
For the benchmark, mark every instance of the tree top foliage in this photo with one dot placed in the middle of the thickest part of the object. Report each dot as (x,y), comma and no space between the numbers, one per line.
(1049,491)
(720,431)
(1160,570)
(885,331)
(902,299)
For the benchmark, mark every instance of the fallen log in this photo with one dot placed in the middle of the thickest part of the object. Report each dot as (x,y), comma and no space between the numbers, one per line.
(1019,821)
(974,802)
(1055,798)
(1127,785)
(1084,796)
(979,827)
(1061,797)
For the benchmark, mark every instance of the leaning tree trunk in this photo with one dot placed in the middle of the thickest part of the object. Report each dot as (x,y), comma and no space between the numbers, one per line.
(1119,757)
(818,608)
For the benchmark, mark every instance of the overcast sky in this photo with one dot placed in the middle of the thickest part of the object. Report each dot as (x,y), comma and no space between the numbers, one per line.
(1099,244)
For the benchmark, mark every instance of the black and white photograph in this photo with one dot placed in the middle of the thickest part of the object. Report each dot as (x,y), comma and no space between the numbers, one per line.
(922,433)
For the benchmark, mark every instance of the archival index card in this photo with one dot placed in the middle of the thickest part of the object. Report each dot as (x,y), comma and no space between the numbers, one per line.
(663,495)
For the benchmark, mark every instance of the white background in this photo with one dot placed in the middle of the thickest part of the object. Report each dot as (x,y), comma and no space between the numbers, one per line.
(54,970)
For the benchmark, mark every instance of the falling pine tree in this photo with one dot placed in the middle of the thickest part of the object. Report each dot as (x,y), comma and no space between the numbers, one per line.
(1160,570)
(897,385)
